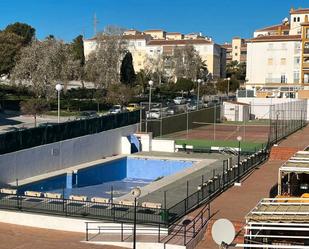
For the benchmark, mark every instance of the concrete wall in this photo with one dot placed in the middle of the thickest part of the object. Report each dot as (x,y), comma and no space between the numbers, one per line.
(163,145)
(46,158)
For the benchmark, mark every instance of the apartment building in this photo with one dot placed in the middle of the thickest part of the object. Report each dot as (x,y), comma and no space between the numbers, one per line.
(236,50)
(159,43)
(278,56)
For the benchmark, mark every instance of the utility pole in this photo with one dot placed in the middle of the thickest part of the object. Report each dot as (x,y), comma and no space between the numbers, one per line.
(95,22)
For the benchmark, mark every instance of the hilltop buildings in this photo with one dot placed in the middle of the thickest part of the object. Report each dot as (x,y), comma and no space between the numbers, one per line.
(159,44)
(278,57)
(236,50)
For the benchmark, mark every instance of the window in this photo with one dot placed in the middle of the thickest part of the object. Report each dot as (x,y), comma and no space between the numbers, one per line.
(296,77)
(139,63)
(270,61)
(296,61)
(294,19)
(151,50)
(236,47)
(139,44)
(307,33)
(298,19)
(236,54)
(270,46)
(158,50)
(283,61)
(306,78)
(283,45)
(282,78)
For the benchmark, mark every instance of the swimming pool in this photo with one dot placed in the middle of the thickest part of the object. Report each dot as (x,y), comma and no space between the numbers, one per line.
(117,177)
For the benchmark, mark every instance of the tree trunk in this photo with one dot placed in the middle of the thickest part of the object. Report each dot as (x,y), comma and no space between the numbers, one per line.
(34,120)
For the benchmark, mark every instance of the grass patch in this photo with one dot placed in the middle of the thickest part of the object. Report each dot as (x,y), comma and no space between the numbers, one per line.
(200,144)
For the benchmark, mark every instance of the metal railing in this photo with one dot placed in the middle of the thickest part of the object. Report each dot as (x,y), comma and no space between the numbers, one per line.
(85,209)
(216,185)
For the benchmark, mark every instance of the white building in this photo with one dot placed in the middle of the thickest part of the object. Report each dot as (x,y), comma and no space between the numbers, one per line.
(236,111)
(276,57)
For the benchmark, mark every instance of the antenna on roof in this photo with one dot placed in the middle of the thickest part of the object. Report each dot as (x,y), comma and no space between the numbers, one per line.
(285,20)
(95,22)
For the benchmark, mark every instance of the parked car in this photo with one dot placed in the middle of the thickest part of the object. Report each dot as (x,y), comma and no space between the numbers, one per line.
(133,107)
(117,109)
(154,113)
(180,100)
(170,111)
(88,114)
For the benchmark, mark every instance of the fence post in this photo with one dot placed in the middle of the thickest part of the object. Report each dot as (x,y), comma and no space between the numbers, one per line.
(121,231)
(87,238)
(159,234)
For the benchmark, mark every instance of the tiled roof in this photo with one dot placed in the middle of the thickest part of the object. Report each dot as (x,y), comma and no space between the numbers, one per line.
(276,38)
(137,37)
(154,30)
(275,27)
(299,11)
(173,33)
(178,42)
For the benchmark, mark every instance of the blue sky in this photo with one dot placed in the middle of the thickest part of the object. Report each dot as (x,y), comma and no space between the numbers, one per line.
(219,19)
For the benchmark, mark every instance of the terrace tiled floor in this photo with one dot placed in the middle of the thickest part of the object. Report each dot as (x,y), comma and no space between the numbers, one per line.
(21,237)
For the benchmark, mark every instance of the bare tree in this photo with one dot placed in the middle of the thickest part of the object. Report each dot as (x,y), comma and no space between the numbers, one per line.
(119,94)
(33,107)
(43,64)
(103,65)
(155,66)
(186,62)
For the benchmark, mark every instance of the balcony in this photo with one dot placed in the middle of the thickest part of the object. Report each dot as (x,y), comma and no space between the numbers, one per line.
(273,80)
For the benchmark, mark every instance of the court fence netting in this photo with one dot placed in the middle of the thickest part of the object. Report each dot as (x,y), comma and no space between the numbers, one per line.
(207,127)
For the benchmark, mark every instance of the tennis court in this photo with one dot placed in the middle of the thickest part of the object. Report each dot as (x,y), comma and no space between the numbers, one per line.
(254,131)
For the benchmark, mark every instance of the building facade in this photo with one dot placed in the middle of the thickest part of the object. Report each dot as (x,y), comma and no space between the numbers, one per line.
(236,50)
(156,44)
(278,56)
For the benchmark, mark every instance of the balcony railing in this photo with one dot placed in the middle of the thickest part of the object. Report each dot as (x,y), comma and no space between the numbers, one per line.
(275,80)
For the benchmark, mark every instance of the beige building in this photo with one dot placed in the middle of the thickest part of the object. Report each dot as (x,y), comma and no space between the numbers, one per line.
(153,44)
(236,51)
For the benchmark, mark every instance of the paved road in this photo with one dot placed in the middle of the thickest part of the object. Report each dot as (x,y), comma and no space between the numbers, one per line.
(9,121)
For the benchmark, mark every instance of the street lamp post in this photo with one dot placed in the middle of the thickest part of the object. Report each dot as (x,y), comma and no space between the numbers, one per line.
(277,117)
(228,86)
(239,138)
(150,82)
(136,192)
(198,93)
(58,89)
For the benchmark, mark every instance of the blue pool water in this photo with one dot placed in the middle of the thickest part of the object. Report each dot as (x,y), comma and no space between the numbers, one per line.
(120,176)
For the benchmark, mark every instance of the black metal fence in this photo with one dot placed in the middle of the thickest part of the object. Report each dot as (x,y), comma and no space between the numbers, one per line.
(23,139)
(181,122)
(286,118)
(86,209)
(216,185)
